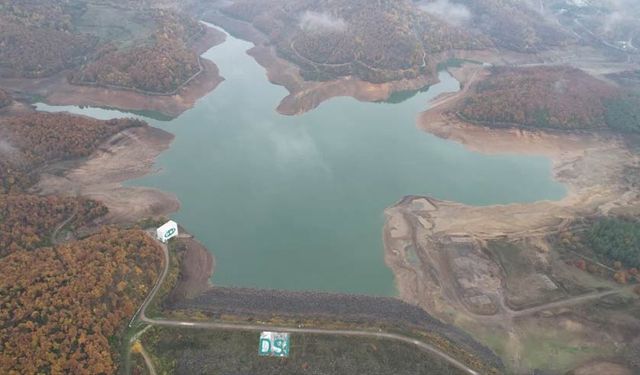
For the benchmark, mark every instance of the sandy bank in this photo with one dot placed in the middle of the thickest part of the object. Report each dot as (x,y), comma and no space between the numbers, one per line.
(56,90)
(593,166)
(434,247)
(127,155)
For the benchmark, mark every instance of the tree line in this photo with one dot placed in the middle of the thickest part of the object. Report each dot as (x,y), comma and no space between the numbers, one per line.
(616,240)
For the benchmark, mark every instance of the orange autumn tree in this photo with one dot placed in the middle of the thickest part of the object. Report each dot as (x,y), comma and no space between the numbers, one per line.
(27,221)
(60,306)
(541,97)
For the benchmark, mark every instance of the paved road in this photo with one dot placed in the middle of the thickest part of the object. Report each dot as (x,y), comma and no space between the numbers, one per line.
(142,315)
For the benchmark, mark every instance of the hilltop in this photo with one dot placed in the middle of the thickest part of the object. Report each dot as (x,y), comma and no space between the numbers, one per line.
(550,98)
(374,41)
(391,40)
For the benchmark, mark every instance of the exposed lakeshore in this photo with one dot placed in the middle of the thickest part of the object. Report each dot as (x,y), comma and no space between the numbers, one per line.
(592,167)
(132,154)
(597,169)
(128,155)
(438,249)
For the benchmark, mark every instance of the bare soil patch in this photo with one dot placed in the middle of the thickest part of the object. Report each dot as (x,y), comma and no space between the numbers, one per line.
(531,307)
(128,155)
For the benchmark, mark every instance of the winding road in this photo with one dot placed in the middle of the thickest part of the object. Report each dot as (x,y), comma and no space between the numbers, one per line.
(54,234)
(141,315)
(147,360)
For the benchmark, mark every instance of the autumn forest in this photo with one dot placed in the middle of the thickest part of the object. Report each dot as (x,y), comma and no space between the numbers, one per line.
(42,38)
(550,97)
(63,301)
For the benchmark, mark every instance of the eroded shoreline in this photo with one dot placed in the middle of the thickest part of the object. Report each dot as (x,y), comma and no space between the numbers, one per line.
(443,253)
(127,155)
(307,95)
(592,168)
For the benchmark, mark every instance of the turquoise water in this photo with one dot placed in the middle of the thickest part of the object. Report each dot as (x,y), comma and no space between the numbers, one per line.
(297,202)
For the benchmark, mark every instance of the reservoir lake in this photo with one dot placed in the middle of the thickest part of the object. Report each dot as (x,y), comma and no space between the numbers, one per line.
(297,202)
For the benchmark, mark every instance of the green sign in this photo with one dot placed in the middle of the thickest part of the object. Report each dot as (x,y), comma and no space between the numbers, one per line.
(274,344)
(169,233)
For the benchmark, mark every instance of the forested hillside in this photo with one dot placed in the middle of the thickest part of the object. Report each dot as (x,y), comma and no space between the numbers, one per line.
(550,97)
(37,38)
(513,25)
(629,78)
(615,239)
(60,307)
(31,140)
(133,45)
(623,112)
(388,40)
(376,41)
(159,63)
(63,306)
(27,222)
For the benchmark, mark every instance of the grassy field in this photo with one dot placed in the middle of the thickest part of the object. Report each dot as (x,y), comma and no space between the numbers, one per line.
(179,351)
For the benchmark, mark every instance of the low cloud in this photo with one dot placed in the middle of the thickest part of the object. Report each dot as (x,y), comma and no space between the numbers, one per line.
(314,21)
(295,149)
(622,11)
(452,13)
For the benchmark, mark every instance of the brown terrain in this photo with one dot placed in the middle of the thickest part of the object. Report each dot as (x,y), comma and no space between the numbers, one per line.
(307,95)
(128,155)
(56,90)
(449,259)
(196,269)
(457,261)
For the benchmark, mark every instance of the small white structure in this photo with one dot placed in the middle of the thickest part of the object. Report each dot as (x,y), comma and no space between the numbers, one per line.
(167,231)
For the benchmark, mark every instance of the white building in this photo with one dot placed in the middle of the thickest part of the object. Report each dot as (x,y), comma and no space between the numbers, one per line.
(167,231)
